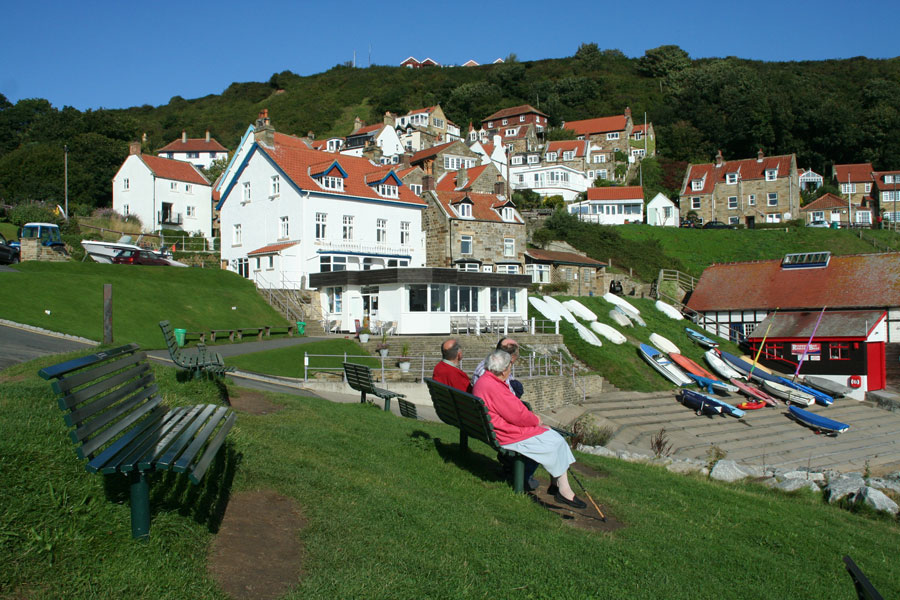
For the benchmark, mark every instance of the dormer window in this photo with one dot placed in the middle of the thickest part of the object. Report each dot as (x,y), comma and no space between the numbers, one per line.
(521,118)
(613,135)
(388,191)
(569,155)
(696,185)
(465,210)
(551,156)
(332,183)
(731,178)
(517,160)
(771,174)
(506,121)
(533,159)
(638,135)
(510,132)
(508,214)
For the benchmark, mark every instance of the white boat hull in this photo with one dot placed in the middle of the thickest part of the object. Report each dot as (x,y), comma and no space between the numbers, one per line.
(789,394)
(608,332)
(663,343)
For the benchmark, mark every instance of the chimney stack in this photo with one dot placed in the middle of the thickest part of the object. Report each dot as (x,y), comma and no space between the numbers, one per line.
(264,133)
(759,156)
(311,135)
(627,112)
(183,136)
(357,124)
(404,161)
(134,148)
(499,187)
(428,183)
(719,160)
(462,177)
(207,136)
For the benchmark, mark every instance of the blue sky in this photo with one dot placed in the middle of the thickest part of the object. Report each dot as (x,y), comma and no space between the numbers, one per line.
(115,54)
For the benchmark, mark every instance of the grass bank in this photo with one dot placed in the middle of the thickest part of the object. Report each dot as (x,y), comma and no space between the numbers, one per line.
(68,298)
(392,511)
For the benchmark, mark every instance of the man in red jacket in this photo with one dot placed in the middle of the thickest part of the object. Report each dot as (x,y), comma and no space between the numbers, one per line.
(447,371)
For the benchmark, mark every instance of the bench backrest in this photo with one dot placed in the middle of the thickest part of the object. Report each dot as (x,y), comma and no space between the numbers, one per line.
(359,377)
(171,342)
(106,395)
(462,410)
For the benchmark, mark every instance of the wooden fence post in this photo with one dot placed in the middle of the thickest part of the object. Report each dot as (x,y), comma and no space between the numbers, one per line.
(107,314)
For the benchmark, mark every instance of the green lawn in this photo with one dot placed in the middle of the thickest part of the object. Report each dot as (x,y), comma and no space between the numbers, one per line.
(288,362)
(392,511)
(192,298)
(699,248)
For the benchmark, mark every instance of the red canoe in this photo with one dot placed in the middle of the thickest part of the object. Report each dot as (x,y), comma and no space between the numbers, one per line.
(754,393)
(690,366)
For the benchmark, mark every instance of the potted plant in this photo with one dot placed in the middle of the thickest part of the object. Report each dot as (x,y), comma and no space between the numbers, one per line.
(364,335)
(404,359)
(382,346)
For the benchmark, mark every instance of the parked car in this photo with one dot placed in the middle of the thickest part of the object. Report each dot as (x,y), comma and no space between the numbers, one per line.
(818,223)
(9,254)
(139,257)
(718,225)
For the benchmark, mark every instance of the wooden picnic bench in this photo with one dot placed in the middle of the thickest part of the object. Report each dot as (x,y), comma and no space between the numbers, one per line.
(469,414)
(195,360)
(112,401)
(277,329)
(214,333)
(359,378)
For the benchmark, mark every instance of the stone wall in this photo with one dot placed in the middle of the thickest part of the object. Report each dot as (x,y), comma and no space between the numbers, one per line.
(31,249)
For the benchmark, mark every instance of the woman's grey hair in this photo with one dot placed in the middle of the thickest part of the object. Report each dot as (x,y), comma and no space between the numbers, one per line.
(497,361)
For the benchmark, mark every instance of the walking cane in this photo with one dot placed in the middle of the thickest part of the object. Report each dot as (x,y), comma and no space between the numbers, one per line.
(565,433)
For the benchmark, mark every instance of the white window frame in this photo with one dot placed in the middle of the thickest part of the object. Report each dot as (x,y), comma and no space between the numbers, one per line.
(868,186)
(381,231)
(550,157)
(516,160)
(188,188)
(569,155)
(321,224)
(347,227)
(276,185)
(330,182)
(695,203)
(772,199)
(751,200)
(612,135)
(732,202)
(466,245)
(771,174)
(126,184)
(848,188)
(731,178)
(509,247)
(190,211)
(464,209)
(533,159)
(284,227)
(404,233)
(247,189)
(388,191)
(236,235)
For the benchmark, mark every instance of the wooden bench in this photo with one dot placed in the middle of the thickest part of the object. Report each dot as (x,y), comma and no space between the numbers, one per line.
(278,329)
(864,589)
(196,360)
(359,377)
(120,425)
(214,333)
(257,331)
(407,409)
(469,414)
(199,336)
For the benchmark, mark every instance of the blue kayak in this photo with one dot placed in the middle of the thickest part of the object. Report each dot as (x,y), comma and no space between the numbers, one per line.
(817,422)
(821,397)
(701,339)
(704,399)
(744,367)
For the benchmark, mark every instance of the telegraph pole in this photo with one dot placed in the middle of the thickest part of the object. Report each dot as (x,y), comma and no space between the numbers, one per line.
(66,162)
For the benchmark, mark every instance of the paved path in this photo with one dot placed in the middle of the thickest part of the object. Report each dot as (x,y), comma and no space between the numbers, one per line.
(763,437)
(20,344)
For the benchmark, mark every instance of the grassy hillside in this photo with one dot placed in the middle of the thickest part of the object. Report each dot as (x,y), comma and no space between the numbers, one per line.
(390,510)
(72,292)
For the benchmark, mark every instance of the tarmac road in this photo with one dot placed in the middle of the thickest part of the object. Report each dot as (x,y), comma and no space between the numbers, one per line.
(20,345)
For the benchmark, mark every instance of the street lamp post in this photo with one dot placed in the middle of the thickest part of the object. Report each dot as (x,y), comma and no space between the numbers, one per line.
(66,161)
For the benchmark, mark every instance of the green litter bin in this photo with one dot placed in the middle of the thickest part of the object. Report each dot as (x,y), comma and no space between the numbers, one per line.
(179,336)
(301,327)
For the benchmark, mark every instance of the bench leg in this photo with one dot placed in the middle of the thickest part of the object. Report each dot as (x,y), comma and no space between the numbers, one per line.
(519,475)
(362,397)
(140,506)
(463,440)
(387,404)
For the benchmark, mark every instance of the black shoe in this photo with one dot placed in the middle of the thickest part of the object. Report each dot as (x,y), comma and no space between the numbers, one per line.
(532,484)
(575,502)
(552,490)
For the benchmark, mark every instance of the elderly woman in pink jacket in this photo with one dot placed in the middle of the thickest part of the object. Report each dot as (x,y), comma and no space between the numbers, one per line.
(519,429)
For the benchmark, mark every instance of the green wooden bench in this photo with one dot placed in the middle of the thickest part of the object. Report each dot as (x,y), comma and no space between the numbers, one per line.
(407,409)
(864,588)
(195,360)
(111,400)
(469,414)
(359,377)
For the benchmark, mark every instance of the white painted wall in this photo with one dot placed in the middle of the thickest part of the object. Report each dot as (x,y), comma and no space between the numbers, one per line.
(608,212)
(203,160)
(656,212)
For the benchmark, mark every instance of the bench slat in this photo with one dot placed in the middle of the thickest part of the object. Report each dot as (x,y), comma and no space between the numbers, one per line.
(89,446)
(184,440)
(99,423)
(85,393)
(148,460)
(200,467)
(101,461)
(76,380)
(61,369)
(200,439)
(80,414)
(127,459)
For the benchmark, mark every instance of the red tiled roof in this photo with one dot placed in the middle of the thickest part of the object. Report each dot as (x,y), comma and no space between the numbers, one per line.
(887,187)
(447,182)
(579,146)
(857,281)
(824,202)
(481,205)
(588,127)
(859,173)
(176,170)
(629,192)
(430,152)
(514,111)
(563,257)
(367,129)
(272,248)
(296,160)
(488,148)
(421,110)
(749,169)
(639,128)
(194,145)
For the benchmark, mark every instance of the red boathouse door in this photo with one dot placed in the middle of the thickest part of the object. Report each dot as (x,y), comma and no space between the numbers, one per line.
(876,365)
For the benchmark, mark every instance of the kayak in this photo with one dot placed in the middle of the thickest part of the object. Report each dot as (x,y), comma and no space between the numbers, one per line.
(817,422)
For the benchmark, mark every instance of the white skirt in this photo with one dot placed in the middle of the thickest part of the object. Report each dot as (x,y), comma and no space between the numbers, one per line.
(549,449)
